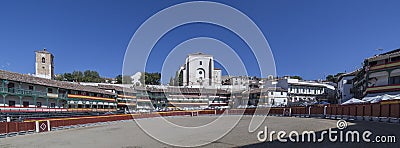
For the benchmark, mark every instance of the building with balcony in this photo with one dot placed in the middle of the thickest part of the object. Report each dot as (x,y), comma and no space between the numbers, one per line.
(379,75)
(189,98)
(27,93)
(128,99)
(41,93)
(263,97)
(304,92)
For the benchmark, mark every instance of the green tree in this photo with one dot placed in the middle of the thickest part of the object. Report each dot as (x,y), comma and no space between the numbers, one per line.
(92,76)
(123,79)
(178,80)
(126,79)
(333,78)
(68,77)
(296,77)
(150,78)
(60,77)
(77,76)
(171,82)
(118,79)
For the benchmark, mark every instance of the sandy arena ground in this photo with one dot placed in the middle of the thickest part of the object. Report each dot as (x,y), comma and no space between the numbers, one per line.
(130,135)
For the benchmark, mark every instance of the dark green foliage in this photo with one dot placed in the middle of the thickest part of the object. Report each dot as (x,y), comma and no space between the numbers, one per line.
(150,78)
(78,76)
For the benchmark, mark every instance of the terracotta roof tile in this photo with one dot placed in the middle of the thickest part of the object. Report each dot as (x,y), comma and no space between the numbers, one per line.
(6,75)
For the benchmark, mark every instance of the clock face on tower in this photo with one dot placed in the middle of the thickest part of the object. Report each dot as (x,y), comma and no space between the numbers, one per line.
(42,55)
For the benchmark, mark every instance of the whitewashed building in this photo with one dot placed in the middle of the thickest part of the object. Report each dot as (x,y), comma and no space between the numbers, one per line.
(345,83)
(198,71)
(303,91)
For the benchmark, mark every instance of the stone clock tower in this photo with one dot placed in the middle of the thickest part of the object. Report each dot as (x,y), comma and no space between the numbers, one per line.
(44,64)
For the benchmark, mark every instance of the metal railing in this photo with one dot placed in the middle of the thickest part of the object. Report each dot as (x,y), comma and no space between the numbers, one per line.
(20,91)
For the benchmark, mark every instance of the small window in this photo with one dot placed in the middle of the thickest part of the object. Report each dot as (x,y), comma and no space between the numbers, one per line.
(11,103)
(30,87)
(281,93)
(74,92)
(200,72)
(201,62)
(10,85)
(49,90)
(53,105)
(25,104)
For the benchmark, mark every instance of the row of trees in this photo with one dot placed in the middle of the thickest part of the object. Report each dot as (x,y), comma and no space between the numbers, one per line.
(79,76)
(123,79)
(145,78)
(94,77)
(150,78)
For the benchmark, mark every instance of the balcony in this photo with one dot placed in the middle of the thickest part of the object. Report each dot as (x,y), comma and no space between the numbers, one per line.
(383,66)
(90,97)
(384,88)
(24,92)
(126,96)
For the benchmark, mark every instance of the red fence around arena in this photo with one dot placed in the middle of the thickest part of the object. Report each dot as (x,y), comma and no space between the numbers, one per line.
(390,109)
(11,127)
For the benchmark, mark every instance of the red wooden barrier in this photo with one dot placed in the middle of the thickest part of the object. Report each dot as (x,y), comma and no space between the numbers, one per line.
(334,110)
(395,110)
(3,128)
(339,110)
(385,110)
(353,110)
(376,110)
(346,110)
(368,110)
(329,110)
(12,127)
(360,110)
(317,110)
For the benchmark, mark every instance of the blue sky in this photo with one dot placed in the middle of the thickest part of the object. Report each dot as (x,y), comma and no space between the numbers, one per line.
(310,38)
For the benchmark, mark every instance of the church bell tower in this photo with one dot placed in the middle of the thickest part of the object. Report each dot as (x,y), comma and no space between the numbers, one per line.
(44,64)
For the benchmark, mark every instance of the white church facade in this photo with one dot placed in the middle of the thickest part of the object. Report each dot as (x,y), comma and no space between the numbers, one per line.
(199,72)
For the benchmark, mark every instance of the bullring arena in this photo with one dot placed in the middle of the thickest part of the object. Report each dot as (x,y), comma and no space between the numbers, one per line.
(122,131)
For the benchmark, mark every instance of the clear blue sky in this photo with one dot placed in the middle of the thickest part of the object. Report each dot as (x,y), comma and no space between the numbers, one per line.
(310,38)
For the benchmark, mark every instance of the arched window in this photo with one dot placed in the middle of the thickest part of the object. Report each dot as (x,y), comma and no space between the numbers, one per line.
(43,60)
